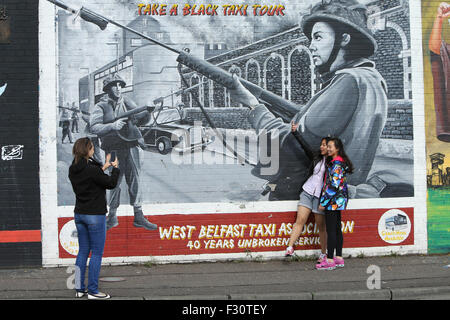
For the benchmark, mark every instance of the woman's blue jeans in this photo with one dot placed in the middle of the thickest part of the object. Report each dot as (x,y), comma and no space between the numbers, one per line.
(91,239)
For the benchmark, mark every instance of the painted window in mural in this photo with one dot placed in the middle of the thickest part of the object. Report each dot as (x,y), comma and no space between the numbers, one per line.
(362,96)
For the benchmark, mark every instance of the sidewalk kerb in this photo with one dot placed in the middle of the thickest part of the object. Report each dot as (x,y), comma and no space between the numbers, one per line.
(380,294)
(188,297)
(406,293)
(272,296)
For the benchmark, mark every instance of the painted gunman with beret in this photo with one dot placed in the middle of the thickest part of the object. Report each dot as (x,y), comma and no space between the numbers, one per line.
(351,104)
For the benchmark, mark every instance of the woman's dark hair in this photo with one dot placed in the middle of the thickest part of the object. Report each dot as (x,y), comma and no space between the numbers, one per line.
(341,152)
(317,157)
(81,148)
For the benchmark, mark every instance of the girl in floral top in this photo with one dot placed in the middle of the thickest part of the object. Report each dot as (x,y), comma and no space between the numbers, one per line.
(334,199)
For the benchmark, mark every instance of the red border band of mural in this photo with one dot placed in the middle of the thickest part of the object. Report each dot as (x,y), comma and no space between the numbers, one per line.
(20,236)
(189,234)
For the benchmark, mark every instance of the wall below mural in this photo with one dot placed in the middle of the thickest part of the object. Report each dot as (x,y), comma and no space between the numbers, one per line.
(249,233)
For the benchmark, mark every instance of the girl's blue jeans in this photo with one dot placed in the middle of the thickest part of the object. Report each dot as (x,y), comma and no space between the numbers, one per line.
(91,231)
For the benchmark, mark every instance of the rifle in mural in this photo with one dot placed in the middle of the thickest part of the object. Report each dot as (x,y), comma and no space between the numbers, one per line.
(129,114)
(74,110)
(160,100)
(276,104)
(131,132)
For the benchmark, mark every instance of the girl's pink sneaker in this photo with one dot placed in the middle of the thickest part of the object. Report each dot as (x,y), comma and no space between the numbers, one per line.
(289,252)
(321,257)
(339,262)
(325,265)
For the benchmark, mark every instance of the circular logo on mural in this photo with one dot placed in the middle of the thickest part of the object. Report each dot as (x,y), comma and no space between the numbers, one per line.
(394,226)
(68,237)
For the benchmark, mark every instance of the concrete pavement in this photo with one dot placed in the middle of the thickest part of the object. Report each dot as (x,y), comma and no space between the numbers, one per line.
(390,278)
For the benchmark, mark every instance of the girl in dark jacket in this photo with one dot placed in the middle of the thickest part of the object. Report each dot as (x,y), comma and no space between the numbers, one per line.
(89,183)
(334,199)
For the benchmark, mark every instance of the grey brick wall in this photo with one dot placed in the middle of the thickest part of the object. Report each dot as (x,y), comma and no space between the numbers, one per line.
(388,59)
(399,123)
(226,118)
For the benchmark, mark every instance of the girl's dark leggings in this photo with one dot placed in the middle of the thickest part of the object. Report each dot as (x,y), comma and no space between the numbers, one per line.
(335,238)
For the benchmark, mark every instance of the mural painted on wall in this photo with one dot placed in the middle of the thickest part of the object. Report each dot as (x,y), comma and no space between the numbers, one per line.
(182,135)
(436,44)
(169,110)
(269,51)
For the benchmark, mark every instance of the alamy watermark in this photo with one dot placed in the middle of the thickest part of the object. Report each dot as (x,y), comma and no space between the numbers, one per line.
(229,147)
(374,280)
(73,281)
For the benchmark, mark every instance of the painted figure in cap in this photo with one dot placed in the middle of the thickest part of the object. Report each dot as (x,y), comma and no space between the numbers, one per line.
(127,149)
(65,124)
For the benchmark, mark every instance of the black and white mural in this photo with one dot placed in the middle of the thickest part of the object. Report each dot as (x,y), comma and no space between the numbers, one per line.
(182,130)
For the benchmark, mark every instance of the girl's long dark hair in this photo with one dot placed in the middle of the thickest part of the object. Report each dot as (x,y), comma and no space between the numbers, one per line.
(341,152)
(317,157)
(317,154)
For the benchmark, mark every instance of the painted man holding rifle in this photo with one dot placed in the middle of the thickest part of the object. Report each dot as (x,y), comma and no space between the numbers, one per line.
(116,137)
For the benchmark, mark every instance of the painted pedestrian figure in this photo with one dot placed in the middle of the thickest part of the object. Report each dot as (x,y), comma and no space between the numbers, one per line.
(75,118)
(64,123)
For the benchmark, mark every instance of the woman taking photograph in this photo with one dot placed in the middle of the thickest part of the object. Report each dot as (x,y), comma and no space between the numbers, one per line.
(334,199)
(309,197)
(89,183)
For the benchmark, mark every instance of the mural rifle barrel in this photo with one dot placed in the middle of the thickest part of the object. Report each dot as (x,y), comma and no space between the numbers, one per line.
(102,22)
(132,112)
(278,105)
(161,99)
